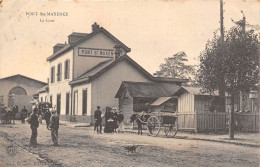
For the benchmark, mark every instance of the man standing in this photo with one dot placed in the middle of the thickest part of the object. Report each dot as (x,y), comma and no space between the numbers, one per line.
(98,120)
(54,126)
(120,118)
(47,116)
(23,114)
(12,113)
(33,121)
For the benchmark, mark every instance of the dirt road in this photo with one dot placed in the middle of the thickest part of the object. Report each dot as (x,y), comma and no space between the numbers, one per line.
(82,147)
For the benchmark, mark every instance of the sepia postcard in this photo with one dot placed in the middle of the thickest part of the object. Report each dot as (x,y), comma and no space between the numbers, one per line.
(129,83)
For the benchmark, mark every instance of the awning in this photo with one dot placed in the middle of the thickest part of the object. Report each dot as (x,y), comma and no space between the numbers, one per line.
(160,101)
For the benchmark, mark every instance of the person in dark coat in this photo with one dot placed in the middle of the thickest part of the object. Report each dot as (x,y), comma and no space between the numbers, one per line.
(33,121)
(24,111)
(107,118)
(13,111)
(98,120)
(54,127)
(47,117)
(114,117)
(120,118)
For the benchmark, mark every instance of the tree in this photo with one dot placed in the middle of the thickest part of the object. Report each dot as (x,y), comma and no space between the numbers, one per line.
(175,67)
(236,60)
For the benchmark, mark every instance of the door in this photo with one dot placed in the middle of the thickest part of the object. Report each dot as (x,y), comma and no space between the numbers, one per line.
(67,103)
(84,101)
(76,103)
(58,103)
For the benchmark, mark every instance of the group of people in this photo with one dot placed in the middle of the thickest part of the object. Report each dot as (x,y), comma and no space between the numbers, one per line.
(52,123)
(113,120)
(8,114)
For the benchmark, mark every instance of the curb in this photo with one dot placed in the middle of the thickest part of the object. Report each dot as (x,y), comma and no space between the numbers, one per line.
(209,140)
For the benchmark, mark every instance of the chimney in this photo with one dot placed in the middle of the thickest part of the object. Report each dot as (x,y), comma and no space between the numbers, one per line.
(76,36)
(117,51)
(58,47)
(95,27)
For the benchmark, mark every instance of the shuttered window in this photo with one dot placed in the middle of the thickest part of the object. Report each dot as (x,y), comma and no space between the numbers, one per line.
(59,72)
(52,74)
(67,69)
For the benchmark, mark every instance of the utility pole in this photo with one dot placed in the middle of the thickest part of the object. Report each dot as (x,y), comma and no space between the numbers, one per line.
(221,21)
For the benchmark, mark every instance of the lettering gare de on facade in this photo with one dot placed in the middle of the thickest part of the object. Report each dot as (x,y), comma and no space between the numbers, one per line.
(96,52)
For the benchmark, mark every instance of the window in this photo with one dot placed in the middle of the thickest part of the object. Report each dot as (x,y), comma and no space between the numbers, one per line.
(45,98)
(41,99)
(59,72)
(67,69)
(52,74)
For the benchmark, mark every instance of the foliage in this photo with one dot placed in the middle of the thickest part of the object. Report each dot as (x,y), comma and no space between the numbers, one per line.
(231,64)
(242,56)
(235,60)
(175,67)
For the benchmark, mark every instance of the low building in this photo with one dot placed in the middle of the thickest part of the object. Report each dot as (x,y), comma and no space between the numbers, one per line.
(137,96)
(18,90)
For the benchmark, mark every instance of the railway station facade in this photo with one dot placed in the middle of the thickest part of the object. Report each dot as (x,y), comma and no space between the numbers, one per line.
(87,72)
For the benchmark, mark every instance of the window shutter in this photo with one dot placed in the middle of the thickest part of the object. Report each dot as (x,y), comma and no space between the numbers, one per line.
(68,72)
(65,69)
(60,71)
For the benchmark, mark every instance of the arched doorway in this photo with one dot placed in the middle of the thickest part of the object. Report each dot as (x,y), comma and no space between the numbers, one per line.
(13,92)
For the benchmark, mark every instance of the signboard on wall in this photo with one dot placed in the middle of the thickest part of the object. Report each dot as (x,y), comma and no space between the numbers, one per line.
(94,52)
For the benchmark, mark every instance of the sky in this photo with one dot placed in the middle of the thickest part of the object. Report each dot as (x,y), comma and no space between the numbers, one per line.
(154,30)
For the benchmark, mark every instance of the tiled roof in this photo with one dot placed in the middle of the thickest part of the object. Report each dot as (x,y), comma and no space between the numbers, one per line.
(79,34)
(106,65)
(160,101)
(194,91)
(19,75)
(86,37)
(96,69)
(146,89)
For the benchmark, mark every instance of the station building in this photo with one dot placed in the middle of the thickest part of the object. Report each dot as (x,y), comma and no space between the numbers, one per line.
(18,90)
(87,72)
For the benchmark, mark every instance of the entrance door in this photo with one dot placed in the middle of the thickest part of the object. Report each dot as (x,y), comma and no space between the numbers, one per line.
(84,101)
(58,103)
(76,103)
(67,103)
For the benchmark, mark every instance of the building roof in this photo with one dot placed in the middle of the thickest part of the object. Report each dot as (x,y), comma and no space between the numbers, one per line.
(160,101)
(84,38)
(194,91)
(104,66)
(19,75)
(146,89)
(95,69)
(78,34)
(43,89)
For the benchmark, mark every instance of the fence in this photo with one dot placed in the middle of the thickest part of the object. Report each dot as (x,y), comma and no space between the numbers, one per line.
(247,122)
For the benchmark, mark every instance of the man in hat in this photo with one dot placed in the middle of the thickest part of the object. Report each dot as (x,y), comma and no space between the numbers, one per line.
(120,118)
(54,126)
(23,114)
(47,116)
(114,117)
(33,121)
(98,120)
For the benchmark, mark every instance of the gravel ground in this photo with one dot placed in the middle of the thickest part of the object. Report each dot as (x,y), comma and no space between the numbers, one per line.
(82,147)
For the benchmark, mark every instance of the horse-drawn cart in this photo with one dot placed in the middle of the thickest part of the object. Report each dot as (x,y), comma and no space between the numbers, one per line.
(156,121)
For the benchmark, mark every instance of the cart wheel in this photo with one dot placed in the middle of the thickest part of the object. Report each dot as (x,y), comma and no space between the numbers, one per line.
(153,126)
(171,129)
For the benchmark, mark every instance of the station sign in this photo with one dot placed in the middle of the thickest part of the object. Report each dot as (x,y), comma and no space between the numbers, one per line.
(94,52)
